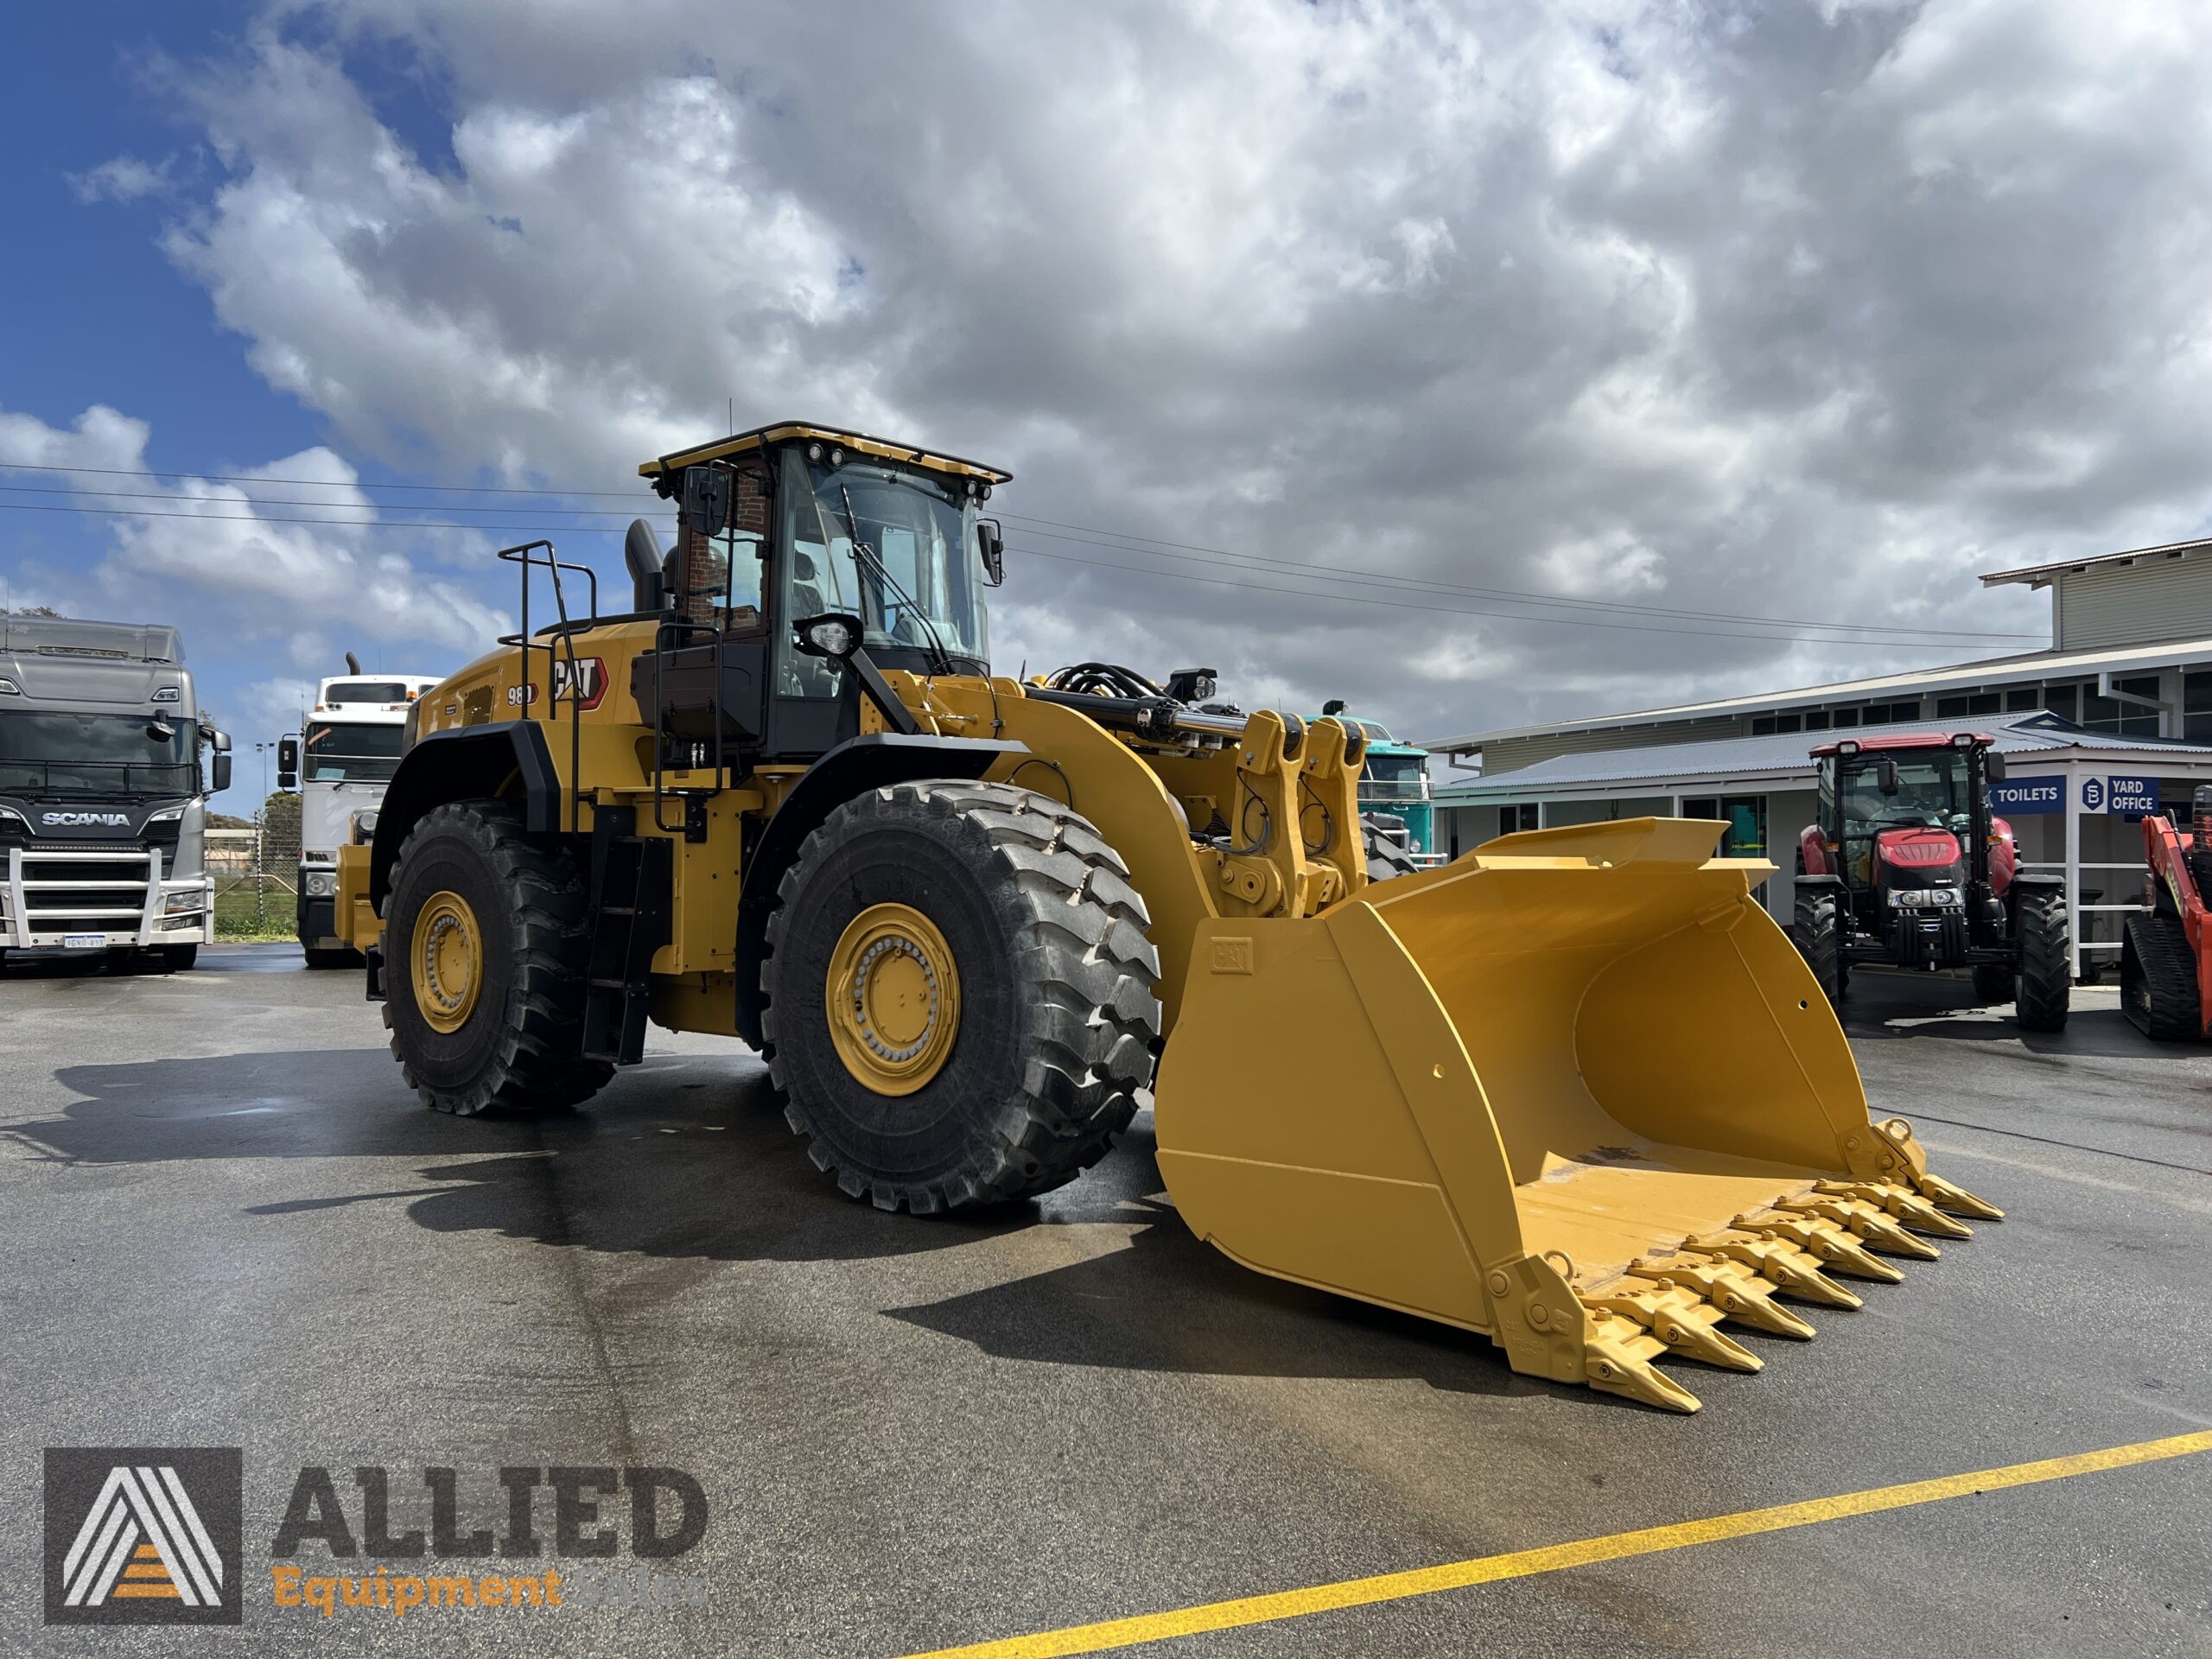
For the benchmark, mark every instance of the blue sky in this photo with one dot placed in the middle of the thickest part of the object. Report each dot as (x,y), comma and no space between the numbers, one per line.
(1480,364)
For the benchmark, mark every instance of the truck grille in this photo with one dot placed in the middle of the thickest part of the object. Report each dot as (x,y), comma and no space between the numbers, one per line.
(84,889)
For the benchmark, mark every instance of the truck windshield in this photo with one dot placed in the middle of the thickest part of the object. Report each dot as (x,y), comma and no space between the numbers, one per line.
(350,754)
(1395,777)
(922,533)
(1931,793)
(46,752)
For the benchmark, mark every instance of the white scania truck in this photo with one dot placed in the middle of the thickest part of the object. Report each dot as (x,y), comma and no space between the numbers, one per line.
(103,799)
(343,756)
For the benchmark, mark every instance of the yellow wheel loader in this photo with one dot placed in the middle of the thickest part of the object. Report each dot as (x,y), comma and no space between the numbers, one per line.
(1575,1092)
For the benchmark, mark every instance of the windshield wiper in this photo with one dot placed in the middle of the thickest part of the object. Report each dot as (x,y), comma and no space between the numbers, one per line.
(940,658)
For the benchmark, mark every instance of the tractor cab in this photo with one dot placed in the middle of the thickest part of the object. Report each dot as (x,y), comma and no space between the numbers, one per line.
(1907,865)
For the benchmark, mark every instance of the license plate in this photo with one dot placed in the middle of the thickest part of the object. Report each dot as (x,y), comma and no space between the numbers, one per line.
(84,941)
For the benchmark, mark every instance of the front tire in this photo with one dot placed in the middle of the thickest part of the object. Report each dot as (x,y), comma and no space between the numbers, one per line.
(487,951)
(1824,950)
(2046,964)
(179,958)
(959,995)
(2157,979)
(1386,860)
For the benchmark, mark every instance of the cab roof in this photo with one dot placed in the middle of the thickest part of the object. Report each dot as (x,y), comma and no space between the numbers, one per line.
(761,437)
(1903,740)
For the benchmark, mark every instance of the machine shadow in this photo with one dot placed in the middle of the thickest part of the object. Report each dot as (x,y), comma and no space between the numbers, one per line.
(1169,1302)
(684,1156)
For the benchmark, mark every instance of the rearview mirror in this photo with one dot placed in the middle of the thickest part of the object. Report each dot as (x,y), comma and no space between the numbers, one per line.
(993,542)
(1993,766)
(288,763)
(222,769)
(833,634)
(706,498)
(1885,775)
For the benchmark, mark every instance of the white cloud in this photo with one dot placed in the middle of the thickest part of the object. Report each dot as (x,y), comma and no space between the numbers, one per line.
(235,551)
(124,178)
(1806,310)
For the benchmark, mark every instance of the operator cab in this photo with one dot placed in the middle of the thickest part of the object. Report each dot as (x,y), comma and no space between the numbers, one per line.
(793,525)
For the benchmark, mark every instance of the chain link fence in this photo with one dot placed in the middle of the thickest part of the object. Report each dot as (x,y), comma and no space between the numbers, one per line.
(257,874)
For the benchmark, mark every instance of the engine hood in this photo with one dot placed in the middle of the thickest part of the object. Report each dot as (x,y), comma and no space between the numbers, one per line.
(1918,857)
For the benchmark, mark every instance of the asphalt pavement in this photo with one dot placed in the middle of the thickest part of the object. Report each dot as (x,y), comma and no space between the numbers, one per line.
(225,1221)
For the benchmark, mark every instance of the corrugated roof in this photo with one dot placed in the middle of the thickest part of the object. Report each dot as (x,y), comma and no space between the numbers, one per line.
(1986,671)
(2038,575)
(1781,758)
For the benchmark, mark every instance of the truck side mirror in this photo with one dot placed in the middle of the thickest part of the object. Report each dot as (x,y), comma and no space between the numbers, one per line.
(1885,775)
(992,540)
(1993,765)
(288,763)
(222,771)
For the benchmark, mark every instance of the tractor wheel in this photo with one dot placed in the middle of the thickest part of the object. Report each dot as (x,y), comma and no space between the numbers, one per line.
(959,1002)
(1824,955)
(2046,972)
(1994,982)
(1385,858)
(485,957)
(2157,979)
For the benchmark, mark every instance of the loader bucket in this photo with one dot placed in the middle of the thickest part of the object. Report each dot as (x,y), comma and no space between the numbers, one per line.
(1576,1091)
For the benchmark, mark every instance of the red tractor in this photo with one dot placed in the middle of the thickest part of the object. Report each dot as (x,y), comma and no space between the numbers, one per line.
(2165,954)
(1907,866)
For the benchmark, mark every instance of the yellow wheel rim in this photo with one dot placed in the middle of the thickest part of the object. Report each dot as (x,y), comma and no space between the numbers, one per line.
(447,962)
(892,999)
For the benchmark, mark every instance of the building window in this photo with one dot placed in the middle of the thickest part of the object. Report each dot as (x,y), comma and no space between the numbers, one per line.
(2196,708)
(1770,725)
(1817,721)
(1846,717)
(1977,703)
(2059,700)
(2128,719)
(1513,819)
(1889,713)
(2020,698)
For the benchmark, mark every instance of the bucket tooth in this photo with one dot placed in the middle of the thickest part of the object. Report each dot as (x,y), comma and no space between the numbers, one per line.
(1831,1245)
(1868,1222)
(1956,1199)
(1679,1316)
(1902,1202)
(1617,1357)
(1735,1289)
(1792,1270)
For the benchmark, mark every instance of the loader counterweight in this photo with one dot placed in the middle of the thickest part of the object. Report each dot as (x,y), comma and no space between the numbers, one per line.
(1574,1091)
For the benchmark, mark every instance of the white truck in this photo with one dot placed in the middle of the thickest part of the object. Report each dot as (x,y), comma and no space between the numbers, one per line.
(340,759)
(102,797)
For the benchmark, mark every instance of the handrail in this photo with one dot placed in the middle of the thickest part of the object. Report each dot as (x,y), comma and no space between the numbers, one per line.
(554,566)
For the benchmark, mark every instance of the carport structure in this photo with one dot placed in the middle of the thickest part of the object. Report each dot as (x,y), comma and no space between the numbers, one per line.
(2075,799)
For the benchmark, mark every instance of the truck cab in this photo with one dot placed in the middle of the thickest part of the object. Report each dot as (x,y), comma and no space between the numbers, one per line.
(104,771)
(340,760)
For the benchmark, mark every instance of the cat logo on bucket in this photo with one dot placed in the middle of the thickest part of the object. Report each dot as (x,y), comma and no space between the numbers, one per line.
(142,1534)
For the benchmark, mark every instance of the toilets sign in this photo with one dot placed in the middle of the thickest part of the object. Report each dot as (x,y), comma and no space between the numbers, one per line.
(2128,797)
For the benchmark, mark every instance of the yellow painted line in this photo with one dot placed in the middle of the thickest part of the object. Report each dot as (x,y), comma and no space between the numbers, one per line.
(1523,1563)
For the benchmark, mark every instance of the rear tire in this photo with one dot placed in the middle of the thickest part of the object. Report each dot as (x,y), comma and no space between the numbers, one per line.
(1824,950)
(2157,979)
(1050,974)
(517,1049)
(2046,967)
(1385,858)
(1994,982)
